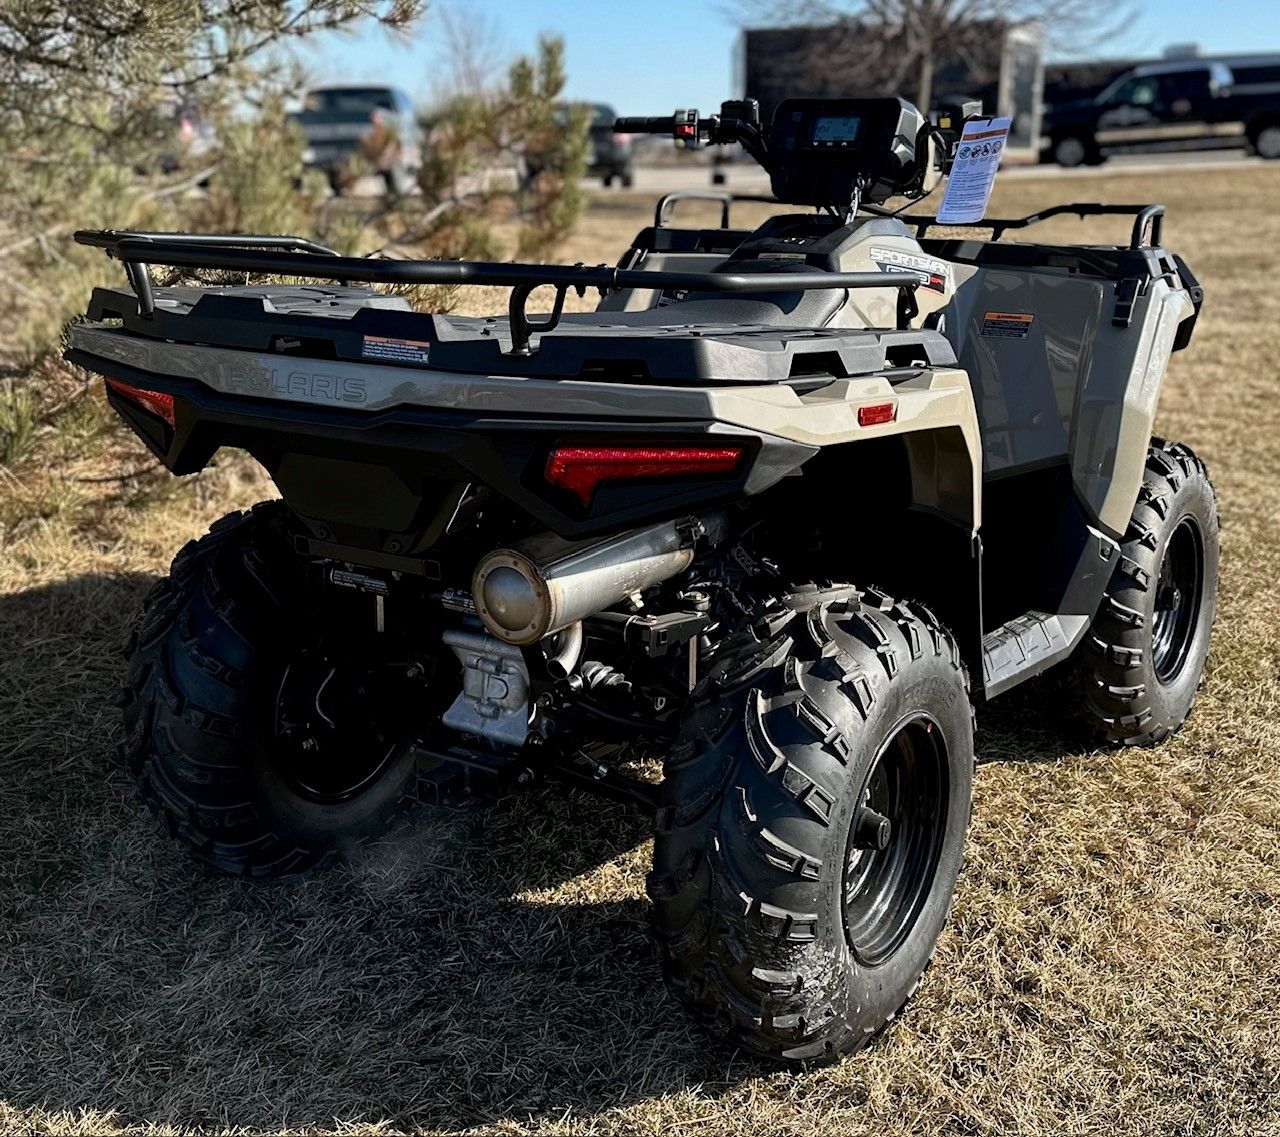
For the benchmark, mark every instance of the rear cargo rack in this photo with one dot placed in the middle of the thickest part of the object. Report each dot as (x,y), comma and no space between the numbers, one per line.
(296,256)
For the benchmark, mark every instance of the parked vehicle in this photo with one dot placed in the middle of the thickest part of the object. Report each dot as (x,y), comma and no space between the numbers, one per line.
(776,512)
(611,150)
(196,139)
(609,153)
(1189,104)
(377,122)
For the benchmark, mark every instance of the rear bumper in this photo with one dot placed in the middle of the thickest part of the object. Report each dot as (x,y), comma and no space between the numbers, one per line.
(406,456)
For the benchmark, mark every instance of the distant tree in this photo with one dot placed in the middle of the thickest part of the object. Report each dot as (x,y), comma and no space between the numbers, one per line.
(92,92)
(110,69)
(904,39)
(503,148)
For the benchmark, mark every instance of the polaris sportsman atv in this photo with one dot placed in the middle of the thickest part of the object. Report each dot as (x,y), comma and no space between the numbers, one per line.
(777,511)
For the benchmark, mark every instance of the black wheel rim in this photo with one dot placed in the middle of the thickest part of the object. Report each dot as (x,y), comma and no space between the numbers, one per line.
(1177,602)
(329,744)
(886,889)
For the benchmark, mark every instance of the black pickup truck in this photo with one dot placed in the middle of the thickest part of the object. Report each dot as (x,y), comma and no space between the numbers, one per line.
(1189,104)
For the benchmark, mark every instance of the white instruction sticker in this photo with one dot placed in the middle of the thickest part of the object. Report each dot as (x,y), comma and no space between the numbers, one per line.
(973,173)
(389,349)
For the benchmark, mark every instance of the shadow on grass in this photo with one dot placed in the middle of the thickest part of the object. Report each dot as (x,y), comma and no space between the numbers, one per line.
(486,962)
(1031,723)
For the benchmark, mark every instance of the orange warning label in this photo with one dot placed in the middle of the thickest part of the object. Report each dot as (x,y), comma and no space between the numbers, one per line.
(1007,325)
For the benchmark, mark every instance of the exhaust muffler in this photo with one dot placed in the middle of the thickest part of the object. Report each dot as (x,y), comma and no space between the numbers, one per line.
(544,584)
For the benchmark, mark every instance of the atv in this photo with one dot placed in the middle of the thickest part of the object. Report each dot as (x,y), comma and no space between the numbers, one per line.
(779,511)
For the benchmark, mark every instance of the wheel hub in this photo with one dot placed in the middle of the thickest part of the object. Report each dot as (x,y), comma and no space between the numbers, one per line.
(332,737)
(895,841)
(1177,601)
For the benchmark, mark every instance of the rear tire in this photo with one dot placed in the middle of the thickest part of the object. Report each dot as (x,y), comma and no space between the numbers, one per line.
(779,920)
(1142,663)
(1266,142)
(210,665)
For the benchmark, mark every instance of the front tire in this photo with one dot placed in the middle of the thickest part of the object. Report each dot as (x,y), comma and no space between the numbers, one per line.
(784,919)
(1138,672)
(224,670)
(1074,150)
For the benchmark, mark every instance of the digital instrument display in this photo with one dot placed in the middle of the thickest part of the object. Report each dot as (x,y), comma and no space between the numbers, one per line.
(836,130)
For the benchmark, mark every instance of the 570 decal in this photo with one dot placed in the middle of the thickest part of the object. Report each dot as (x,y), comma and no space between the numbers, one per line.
(934,274)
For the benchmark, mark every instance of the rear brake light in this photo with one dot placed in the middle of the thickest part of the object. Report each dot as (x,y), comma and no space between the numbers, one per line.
(873,414)
(580,469)
(157,402)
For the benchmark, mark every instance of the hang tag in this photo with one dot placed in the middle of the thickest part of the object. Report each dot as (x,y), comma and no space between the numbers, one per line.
(973,173)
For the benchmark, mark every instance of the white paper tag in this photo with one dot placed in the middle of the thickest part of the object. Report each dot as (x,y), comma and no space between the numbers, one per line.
(973,173)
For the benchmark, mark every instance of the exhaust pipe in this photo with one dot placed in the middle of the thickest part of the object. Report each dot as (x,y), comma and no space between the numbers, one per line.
(543,585)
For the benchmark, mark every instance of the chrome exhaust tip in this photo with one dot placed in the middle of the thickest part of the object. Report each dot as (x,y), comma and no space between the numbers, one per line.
(545,584)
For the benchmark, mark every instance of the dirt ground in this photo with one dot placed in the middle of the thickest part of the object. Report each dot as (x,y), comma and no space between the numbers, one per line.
(1111,965)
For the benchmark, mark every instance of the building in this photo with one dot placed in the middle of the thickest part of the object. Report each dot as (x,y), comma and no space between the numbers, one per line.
(997,63)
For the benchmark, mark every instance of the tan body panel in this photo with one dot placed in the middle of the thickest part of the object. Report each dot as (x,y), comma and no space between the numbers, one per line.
(928,400)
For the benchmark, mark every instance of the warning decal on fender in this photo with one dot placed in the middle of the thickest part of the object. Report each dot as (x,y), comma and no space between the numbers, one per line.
(934,274)
(1007,325)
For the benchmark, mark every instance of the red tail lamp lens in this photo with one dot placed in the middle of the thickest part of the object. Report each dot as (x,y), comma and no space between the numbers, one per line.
(873,414)
(580,469)
(157,402)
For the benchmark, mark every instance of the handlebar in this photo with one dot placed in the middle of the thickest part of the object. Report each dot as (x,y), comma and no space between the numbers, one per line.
(661,124)
(738,121)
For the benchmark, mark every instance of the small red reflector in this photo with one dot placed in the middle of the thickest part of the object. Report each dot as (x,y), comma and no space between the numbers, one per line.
(157,402)
(873,414)
(580,469)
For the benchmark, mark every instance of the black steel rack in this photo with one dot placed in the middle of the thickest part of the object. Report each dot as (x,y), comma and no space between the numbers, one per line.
(296,256)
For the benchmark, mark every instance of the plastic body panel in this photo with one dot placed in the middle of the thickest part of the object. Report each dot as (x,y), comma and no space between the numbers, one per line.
(1058,378)
(273,403)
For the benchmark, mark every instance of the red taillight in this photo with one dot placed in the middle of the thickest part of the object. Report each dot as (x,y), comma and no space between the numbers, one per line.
(579,469)
(157,402)
(873,414)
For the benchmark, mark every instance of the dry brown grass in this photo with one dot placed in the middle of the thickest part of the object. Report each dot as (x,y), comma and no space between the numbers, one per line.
(1111,965)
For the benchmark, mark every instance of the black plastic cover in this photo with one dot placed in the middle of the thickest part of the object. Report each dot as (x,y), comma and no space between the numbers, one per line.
(698,341)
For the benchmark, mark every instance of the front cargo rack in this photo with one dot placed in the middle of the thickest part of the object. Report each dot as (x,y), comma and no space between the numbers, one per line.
(1145,218)
(296,256)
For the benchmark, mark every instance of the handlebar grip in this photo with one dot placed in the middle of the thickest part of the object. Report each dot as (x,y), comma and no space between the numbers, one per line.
(663,124)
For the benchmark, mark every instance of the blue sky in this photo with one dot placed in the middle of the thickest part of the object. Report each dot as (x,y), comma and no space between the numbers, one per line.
(646,57)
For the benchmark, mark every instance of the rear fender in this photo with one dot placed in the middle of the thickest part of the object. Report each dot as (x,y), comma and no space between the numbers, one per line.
(933,414)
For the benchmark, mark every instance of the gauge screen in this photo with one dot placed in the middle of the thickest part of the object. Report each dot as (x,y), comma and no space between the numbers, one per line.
(836,130)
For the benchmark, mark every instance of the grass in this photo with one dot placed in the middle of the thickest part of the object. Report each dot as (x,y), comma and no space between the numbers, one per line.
(1112,964)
